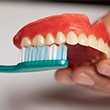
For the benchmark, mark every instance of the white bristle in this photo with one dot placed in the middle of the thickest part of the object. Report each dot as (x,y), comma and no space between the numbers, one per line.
(64,53)
(22,54)
(30,54)
(52,52)
(42,53)
(38,53)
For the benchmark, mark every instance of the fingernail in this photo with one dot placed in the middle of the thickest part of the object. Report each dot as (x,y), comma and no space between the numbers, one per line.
(66,80)
(84,79)
(105,70)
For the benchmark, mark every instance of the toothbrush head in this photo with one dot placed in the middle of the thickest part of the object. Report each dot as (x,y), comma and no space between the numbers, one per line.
(69,37)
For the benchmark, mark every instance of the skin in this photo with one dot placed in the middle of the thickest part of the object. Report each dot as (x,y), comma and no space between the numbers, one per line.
(95,78)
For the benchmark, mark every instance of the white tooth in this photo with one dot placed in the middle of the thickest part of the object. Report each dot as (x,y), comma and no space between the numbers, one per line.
(38,40)
(101,45)
(25,42)
(92,41)
(82,38)
(107,49)
(50,39)
(60,39)
(71,38)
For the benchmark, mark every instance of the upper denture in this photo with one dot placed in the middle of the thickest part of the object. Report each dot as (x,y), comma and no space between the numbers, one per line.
(61,25)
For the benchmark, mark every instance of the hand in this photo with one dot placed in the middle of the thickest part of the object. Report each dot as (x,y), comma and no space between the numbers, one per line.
(95,78)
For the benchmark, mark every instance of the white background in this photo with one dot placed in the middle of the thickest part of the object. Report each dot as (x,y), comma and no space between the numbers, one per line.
(40,91)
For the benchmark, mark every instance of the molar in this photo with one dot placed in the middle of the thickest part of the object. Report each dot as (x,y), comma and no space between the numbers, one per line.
(71,38)
(38,40)
(50,39)
(60,38)
(25,42)
(82,38)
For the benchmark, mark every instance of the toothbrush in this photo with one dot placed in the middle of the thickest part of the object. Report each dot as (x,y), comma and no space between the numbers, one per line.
(60,41)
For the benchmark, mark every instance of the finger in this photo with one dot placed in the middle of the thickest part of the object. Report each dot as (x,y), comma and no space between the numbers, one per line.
(106,20)
(87,77)
(64,76)
(103,67)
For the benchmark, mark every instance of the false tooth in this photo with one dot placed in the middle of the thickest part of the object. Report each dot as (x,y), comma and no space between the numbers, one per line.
(60,39)
(38,40)
(82,38)
(101,45)
(107,50)
(92,41)
(71,38)
(50,39)
(25,42)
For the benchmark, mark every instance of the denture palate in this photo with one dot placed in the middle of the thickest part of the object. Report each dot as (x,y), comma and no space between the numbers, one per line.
(65,36)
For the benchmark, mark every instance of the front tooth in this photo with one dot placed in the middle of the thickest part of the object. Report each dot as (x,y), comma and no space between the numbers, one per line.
(82,38)
(25,42)
(38,40)
(60,39)
(71,38)
(101,45)
(50,39)
(92,41)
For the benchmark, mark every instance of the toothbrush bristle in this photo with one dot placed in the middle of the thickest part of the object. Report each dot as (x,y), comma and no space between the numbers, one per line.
(37,53)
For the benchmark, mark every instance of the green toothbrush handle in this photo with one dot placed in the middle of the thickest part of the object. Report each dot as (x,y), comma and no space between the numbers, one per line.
(7,68)
(31,66)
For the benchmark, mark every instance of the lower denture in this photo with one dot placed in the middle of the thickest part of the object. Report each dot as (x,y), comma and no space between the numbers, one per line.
(90,41)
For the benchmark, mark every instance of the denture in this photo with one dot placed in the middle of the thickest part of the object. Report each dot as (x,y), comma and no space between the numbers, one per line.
(86,43)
